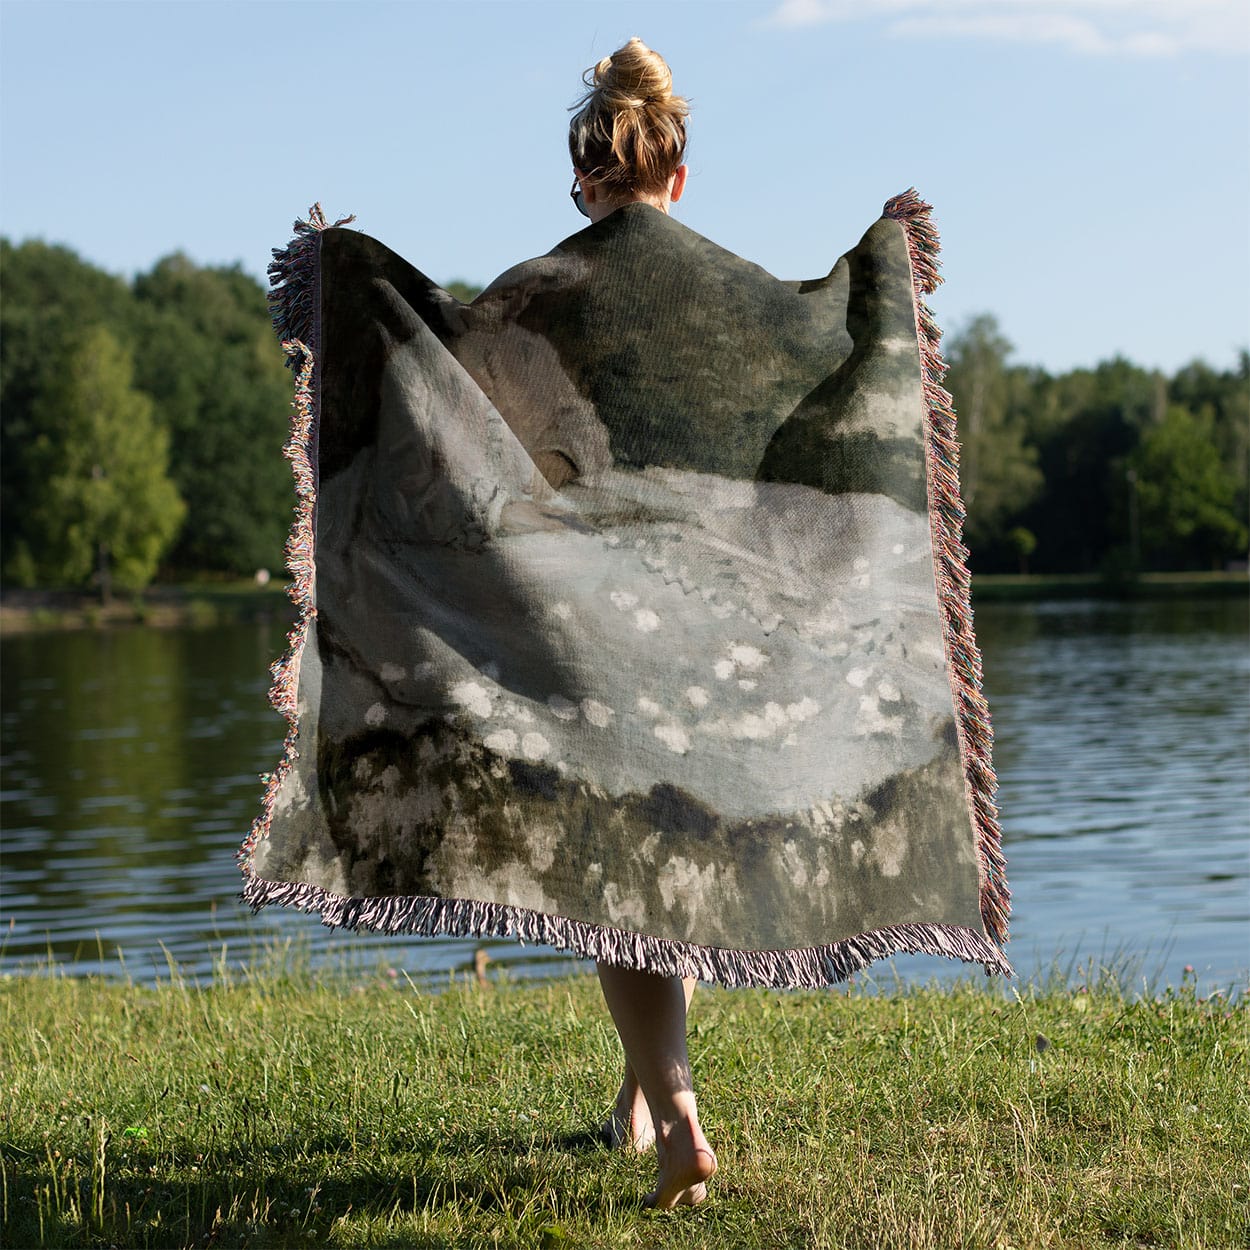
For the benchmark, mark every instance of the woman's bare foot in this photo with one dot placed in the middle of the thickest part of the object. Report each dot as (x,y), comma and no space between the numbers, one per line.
(629,1125)
(686,1165)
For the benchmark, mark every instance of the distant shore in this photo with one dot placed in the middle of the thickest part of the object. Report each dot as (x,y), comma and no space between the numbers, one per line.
(998,587)
(192,604)
(173,605)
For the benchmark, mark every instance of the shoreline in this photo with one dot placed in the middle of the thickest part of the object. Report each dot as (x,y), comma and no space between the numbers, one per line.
(1021,587)
(204,604)
(173,606)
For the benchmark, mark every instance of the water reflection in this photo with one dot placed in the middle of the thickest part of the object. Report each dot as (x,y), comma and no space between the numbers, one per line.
(131,762)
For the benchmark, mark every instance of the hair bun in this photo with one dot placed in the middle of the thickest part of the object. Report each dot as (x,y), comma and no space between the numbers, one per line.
(629,131)
(634,76)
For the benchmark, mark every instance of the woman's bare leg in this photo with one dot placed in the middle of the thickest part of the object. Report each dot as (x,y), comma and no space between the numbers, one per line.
(629,1124)
(650,1015)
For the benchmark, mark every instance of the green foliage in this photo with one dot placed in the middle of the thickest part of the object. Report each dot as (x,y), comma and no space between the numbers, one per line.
(998,467)
(1222,400)
(1081,517)
(465,292)
(204,355)
(209,357)
(104,505)
(1186,492)
(51,299)
(1024,543)
(1052,457)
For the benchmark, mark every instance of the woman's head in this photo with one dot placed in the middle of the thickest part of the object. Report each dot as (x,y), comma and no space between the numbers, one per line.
(628,136)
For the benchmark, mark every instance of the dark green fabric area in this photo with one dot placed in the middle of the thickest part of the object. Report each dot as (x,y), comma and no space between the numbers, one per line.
(690,356)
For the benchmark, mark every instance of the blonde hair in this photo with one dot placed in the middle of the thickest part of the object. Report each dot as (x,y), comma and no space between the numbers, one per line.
(629,133)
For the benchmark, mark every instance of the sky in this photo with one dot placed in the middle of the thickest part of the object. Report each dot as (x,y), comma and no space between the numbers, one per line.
(1088,160)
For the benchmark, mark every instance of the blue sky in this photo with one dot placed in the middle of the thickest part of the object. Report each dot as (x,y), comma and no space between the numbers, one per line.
(1088,160)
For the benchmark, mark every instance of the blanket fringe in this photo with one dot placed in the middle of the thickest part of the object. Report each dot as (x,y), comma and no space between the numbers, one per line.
(809,968)
(954,585)
(294,303)
(294,276)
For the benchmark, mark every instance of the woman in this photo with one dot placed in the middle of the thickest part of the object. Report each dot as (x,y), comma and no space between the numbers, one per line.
(636,611)
(627,141)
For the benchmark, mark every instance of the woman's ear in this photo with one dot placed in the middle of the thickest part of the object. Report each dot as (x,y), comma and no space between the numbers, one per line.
(588,186)
(678,185)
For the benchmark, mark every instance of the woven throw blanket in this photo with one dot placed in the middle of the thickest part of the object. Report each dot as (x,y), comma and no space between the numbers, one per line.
(634,616)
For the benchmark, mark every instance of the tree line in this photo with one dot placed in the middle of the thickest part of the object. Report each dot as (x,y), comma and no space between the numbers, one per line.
(1113,470)
(142,423)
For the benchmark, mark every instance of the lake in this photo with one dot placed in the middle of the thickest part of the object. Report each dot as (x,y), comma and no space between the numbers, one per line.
(130,775)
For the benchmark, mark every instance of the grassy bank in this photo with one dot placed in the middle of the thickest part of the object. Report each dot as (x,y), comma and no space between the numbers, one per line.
(284,1110)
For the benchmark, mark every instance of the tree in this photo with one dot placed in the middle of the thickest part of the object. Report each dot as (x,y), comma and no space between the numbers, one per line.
(51,297)
(103,503)
(1086,424)
(1221,398)
(465,292)
(1108,467)
(1186,495)
(208,357)
(997,466)
(1023,543)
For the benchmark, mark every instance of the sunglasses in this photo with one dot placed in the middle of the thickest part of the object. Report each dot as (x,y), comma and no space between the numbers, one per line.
(576,196)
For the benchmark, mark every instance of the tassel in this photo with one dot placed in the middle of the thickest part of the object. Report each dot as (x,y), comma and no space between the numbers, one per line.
(954,583)
(295,302)
(810,968)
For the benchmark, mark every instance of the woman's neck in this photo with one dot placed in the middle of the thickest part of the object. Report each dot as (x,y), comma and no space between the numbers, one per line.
(602,208)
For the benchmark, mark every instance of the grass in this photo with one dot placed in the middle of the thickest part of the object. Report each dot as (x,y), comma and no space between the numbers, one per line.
(287,1108)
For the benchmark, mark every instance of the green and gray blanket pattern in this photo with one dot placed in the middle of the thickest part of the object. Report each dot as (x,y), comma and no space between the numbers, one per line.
(628,618)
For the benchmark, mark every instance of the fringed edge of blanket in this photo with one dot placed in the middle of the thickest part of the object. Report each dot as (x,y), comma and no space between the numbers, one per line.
(295,279)
(954,584)
(807,968)
(294,303)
